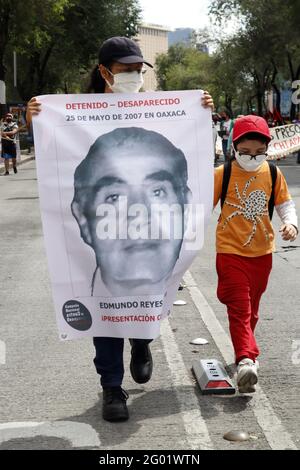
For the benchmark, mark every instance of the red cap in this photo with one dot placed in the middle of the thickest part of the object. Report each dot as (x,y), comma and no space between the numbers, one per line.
(249,124)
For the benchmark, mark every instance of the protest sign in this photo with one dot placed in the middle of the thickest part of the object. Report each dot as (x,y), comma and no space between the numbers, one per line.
(126,188)
(285,140)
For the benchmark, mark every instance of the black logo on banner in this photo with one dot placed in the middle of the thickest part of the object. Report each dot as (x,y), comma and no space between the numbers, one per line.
(77,315)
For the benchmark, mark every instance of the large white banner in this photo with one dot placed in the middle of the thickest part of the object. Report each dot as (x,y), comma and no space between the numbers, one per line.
(126,188)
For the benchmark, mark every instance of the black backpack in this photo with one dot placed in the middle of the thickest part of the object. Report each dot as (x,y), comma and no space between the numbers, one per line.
(226,178)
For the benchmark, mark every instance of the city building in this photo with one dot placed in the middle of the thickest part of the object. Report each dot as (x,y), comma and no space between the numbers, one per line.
(189,37)
(181,36)
(153,40)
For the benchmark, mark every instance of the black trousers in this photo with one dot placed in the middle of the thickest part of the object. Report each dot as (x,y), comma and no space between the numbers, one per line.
(109,361)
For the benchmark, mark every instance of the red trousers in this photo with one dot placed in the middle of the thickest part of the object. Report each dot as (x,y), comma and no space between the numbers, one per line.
(241,283)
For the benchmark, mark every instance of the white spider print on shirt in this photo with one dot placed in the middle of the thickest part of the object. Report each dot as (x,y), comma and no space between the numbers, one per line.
(251,207)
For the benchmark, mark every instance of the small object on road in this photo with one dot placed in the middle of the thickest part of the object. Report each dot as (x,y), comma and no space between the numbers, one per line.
(179,302)
(199,341)
(212,377)
(236,436)
(181,286)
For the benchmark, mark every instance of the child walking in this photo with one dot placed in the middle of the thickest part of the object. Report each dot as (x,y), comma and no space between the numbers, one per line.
(249,188)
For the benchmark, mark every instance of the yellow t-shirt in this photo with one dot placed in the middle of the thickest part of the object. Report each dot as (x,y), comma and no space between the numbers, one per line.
(244,227)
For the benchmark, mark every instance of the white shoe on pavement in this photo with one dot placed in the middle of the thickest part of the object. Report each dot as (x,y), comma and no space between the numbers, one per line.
(247,375)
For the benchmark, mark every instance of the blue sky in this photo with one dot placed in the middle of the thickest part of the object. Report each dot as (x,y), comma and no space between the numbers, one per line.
(175,13)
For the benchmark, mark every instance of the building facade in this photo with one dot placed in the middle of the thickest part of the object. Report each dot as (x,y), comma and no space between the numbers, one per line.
(182,36)
(153,40)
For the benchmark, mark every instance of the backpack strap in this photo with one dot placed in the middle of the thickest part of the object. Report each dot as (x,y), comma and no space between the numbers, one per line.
(225,183)
(273,171)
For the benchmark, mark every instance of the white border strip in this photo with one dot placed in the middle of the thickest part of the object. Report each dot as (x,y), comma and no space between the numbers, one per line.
(196,430)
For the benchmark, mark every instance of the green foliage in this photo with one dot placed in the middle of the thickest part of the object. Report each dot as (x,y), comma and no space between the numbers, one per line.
(267,47)
(183,68)
(57,41)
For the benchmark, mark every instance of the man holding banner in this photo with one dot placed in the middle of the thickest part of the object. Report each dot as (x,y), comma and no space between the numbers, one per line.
(133,164)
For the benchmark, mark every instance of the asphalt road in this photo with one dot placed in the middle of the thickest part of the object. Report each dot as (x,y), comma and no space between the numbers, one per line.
(49,392)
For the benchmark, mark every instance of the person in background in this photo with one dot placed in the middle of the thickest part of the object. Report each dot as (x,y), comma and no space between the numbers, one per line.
(9,129)
(229,143)
(226,127)
(215,125)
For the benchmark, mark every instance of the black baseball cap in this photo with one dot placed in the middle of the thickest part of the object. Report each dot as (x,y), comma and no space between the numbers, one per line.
(121,49)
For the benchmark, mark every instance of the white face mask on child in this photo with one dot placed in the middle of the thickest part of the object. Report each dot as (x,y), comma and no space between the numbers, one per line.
(126,82)
(250,162)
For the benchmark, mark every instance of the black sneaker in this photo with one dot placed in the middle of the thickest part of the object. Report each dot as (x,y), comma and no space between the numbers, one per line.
(6,173)
(15,169)
(141,364)
(114,404)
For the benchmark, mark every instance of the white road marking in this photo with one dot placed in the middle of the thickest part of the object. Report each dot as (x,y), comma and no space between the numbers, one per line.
(274,431)
(196,430)
(78,434)
(2,352)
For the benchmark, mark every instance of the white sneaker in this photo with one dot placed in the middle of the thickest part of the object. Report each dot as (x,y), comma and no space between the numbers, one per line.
(247,376)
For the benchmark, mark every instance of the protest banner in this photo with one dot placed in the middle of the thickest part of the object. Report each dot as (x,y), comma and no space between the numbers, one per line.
(126,188)
(285,140)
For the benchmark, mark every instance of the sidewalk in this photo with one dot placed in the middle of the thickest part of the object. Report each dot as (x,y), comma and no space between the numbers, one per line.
(25,157)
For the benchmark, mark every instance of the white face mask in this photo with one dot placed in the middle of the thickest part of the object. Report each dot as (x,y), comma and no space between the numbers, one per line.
(126,82)
(249,162)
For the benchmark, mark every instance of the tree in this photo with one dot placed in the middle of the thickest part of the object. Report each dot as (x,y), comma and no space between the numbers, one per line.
(61,40)
(18,24)
(183,68)
(268,37)
(228,80)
